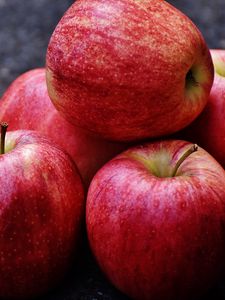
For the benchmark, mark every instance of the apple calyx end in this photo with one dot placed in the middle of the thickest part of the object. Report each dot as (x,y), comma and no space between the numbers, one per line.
(187,153)
(191,80)
(4,126)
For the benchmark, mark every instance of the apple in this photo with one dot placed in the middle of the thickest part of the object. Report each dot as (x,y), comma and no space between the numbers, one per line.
(208,130)
(26,105)
(42,211)
(155,218)
(128,70)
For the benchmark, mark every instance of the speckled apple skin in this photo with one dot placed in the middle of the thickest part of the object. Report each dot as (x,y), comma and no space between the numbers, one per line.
(41,211)
(208,130)
(118,68)
(159,238)
(26,105)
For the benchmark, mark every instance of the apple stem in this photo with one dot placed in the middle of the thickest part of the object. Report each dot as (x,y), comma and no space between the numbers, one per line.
(4,127)
(192,149)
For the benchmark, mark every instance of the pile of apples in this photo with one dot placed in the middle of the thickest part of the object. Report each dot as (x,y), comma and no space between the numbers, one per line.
(105,133)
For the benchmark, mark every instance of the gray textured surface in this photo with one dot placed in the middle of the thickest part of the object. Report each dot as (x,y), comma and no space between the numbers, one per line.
(25,29)
(209,16)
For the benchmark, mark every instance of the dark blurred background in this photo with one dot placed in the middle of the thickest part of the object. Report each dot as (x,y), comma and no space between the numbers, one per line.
(26,26)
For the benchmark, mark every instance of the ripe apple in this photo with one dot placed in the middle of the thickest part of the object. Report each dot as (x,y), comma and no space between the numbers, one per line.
(42,210)
(208,130)
(128,69)
(155,218)
(26,105)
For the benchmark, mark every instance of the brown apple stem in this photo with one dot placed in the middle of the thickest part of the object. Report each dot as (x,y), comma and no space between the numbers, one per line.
(4,127)
(192,149)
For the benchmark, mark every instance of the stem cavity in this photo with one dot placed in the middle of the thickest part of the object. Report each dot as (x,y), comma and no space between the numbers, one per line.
(4,127)
(191,150)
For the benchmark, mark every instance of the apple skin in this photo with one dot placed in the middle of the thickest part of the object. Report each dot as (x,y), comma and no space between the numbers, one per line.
(128,70)
(26,105)
(208,130)
(155,237)
(42,210)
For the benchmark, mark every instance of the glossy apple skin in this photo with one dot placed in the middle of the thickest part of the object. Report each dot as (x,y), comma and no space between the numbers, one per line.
(159,238)
(26,105)
(208,130)
(119,68)
(41,212)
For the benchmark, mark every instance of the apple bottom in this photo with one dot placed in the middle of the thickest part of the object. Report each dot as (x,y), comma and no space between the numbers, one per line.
(27,281)
(154,237)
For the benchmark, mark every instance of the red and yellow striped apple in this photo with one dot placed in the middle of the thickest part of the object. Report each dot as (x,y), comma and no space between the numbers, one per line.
(128,69)
(41,214)
(26,105)
(156,221)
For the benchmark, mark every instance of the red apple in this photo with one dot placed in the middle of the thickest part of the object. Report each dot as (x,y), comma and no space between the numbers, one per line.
(128,69)
(42,208)
(156,224)
(209,128)
(26,105)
